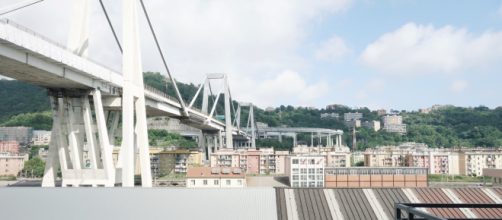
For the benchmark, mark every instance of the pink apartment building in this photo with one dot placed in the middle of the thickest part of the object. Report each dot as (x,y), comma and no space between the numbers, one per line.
(11,147)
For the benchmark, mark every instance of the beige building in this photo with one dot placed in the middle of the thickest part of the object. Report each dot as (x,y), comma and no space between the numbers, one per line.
(207,177)
(11,165)
(40,137)
(394,124)
(262,161)
(472,162)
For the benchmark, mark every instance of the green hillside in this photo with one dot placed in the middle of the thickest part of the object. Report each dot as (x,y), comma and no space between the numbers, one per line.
(26,105)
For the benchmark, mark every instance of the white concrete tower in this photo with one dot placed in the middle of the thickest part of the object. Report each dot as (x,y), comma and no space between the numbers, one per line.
(134,135)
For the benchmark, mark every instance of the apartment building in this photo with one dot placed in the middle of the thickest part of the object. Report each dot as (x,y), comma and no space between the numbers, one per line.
(306,171)
(352,116)
(473,161)
(394,124)
(330,115)
(11,147)
(207,177)
(11,164)
(251,161)
(41,137)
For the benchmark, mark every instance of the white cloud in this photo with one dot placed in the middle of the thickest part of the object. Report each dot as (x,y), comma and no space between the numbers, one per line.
(333,49)
(254,40)
(422,49)
(458,86)
(289,87)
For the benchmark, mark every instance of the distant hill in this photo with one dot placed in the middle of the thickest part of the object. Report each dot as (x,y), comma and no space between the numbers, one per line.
(17,97)
(22,104)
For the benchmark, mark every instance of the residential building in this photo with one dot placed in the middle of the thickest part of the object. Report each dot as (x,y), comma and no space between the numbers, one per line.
(373,125)
(12,164)
(473,161)
(338,159)
(394,124)
(251,161)
(353,123)
(11,147)
(20,134)
(306,171)
(330,115)
(351,116)
(41,137)
(177,161)
(207,177)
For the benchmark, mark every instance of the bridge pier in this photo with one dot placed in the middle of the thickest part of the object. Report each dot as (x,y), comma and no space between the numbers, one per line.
(83,160)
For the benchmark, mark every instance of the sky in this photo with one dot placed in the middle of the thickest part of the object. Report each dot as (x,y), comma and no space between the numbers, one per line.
(392,54)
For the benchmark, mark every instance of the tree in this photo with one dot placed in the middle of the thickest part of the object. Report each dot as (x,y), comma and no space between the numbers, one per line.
(34,167)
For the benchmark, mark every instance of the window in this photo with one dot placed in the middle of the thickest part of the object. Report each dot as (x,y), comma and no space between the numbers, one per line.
(295,177)
(312,161)
(239,182)
(193,182)
(204,182)
(320,184)
(303,177)
(216,182)
(311,170)
(295,170)
(311,184)
(228,182)
(295,184)
(304,184)
(311,177)
(295,161)
(303,170)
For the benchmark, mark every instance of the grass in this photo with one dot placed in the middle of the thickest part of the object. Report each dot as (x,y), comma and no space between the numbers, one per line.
(455,178)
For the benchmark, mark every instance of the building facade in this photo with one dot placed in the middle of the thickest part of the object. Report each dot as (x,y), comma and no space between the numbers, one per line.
(11,165)
(20,134)
(394,124)
(40,137)
(11,147)
(306,171)
(351,116)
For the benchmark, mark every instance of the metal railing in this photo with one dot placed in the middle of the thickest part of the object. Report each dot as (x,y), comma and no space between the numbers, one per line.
(50,41)
(413,211)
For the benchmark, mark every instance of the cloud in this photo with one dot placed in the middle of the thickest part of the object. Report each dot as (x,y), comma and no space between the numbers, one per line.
(424,49)
(458,86)
(289,87)
(252,40)
(332,50)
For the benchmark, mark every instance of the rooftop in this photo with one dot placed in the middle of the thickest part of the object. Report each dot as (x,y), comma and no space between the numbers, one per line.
(208,172)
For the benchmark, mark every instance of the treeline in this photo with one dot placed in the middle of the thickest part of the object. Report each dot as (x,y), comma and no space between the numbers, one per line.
(26,105)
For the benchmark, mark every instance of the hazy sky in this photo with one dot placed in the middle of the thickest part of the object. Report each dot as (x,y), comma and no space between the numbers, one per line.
(403,54)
